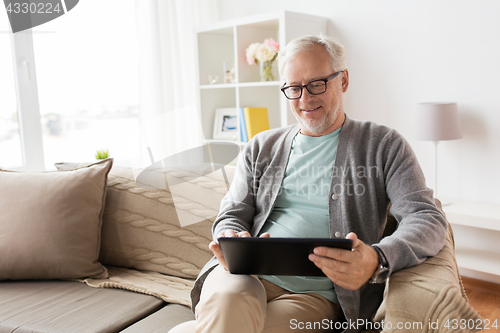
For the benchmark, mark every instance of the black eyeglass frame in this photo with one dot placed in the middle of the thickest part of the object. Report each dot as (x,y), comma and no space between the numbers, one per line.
(283,88)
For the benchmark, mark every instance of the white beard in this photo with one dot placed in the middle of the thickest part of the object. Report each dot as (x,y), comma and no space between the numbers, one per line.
(316,125)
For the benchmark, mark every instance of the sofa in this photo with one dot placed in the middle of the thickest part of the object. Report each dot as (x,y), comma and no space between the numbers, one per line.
(87,249)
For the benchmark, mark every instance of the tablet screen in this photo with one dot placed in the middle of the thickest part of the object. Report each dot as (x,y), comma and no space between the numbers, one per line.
(275,256)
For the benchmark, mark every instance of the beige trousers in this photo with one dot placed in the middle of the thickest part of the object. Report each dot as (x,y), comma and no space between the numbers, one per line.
(243,303)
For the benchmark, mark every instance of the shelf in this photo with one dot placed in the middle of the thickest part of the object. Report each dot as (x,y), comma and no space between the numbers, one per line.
(239,143)
(477,244)
(474,214)
(243,85)
(221,47)
(261,84)
(478,260)
(265,20)
(218,86)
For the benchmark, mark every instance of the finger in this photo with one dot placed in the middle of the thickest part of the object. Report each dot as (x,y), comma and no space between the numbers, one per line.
(332,253)
(347,275)
(221,234)
(355,240)
(333,269)
(229,233)
(339,275)
(265,235)
(243,234)
(328,264)
(215,248)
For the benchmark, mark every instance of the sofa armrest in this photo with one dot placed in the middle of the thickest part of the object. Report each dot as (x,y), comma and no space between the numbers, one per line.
(426,296)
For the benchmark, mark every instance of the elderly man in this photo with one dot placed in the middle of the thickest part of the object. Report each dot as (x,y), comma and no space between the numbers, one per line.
(328,176)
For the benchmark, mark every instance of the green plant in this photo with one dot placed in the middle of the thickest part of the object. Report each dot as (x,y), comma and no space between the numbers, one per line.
(102,154)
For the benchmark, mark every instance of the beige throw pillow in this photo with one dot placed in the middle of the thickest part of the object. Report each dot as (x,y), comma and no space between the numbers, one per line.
(50,223)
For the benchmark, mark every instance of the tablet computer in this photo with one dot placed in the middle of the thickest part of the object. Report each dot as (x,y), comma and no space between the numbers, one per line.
(275,256)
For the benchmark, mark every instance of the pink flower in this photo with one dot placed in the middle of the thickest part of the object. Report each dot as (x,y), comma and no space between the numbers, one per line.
(272,43)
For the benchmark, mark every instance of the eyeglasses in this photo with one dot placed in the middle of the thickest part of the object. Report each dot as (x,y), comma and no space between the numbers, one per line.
(314,88)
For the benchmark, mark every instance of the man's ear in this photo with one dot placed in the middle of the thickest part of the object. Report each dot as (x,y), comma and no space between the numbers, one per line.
(345,80)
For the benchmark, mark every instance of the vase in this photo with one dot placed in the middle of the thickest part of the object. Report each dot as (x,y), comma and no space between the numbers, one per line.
(266,73)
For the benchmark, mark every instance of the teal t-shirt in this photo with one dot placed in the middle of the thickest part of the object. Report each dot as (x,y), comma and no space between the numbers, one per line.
(301,208)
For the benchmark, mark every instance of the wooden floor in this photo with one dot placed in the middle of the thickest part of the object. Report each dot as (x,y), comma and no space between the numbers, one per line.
(485,299)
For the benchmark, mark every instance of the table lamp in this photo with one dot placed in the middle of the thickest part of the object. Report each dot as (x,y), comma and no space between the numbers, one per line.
(436,122)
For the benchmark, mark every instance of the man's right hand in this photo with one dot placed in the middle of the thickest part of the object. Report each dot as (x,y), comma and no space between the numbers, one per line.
(215,248)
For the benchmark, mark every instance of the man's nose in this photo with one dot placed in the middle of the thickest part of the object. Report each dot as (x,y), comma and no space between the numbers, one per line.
(306,95)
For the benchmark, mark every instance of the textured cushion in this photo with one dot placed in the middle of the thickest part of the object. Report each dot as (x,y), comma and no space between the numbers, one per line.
(431,292)
(63,306)
(50,223)
(141,227)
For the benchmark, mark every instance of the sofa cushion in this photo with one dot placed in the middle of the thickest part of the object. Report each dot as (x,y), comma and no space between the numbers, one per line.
(141,228)
(50,223)
(64,306)
(162,320)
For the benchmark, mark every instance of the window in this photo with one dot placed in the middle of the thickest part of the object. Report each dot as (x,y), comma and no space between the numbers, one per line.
(88,86)
(86,93)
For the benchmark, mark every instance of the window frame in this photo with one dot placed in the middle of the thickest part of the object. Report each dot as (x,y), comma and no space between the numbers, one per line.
(28,109)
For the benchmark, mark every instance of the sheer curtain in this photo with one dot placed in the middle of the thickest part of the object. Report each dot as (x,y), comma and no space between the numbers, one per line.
(167,64)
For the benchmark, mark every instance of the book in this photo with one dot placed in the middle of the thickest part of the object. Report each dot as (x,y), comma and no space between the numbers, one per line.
(243,126)
(256,120)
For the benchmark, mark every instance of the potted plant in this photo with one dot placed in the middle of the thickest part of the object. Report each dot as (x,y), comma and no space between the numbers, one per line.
(102,154)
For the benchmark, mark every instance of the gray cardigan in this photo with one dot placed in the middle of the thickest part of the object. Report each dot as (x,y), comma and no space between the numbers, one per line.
(374,166)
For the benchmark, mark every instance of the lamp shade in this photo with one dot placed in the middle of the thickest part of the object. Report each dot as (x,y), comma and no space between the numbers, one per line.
(436,122)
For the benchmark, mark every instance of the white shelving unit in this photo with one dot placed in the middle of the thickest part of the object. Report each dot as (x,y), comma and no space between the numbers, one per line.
(222,45)
(477,235)
(478,260)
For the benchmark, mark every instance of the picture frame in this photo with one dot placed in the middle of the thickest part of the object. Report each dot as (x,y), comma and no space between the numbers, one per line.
(226,124)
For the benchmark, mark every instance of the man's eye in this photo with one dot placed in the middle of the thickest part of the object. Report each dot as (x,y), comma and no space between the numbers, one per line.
(294,89)
(317,85)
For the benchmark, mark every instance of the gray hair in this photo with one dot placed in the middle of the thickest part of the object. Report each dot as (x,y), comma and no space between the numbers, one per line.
(334,49)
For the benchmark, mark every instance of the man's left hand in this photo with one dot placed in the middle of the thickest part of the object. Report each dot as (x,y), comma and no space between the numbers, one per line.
(348,269)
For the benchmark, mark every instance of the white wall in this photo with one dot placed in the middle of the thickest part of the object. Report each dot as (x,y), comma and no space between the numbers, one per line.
(400,53)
